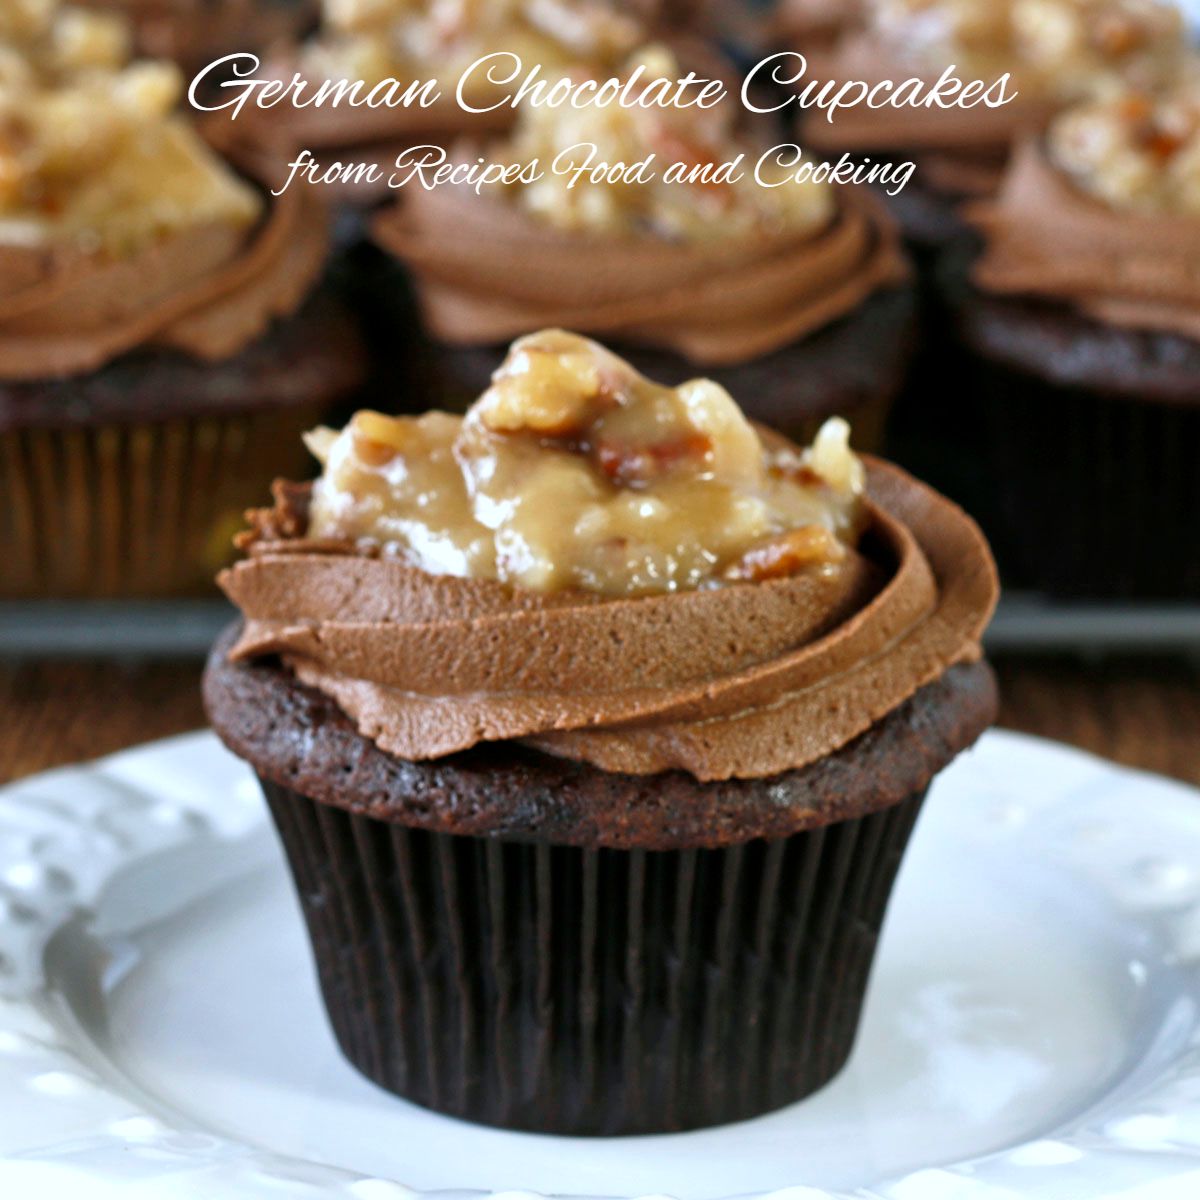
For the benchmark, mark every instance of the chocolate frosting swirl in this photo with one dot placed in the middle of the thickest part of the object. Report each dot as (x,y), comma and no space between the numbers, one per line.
(208,292)
(1045,237)
(743,681)
(725,301)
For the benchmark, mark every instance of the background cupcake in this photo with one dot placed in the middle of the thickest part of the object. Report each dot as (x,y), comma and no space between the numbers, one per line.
(624,708)
(794,296)
(414,41)
(161,344)
(1055,51)
(1082,317)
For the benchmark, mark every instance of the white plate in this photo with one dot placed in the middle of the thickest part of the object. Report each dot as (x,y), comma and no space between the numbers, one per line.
(1031,1031)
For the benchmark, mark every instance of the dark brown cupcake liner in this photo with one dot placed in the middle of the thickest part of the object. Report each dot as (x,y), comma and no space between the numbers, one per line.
(591,991)
(139,508)
(1099,493)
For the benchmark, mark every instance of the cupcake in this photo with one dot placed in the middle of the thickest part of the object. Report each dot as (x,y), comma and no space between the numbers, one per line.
(194,33)
(162,339)
(595,723)
(793,296)
(411,42)
(1081,314)
(1054,51)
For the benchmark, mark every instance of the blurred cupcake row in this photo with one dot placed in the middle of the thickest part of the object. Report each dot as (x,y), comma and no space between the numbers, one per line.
(168,326)
(1057,391)
(164,332)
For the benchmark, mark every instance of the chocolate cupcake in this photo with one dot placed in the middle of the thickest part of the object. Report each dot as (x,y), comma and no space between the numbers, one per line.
(595,725)
(194,33)
(1054,50)
(162,341)
(411,44)
(1081,314)
(794,296)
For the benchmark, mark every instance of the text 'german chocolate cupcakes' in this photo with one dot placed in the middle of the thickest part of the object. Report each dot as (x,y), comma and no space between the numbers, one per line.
(1081,315)
(595,724)
(161,344)
(1054,51)
(793,296)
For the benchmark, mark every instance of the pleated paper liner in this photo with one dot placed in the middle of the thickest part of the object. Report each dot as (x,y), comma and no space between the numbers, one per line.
(138,509)
(591,991)
(1100,493)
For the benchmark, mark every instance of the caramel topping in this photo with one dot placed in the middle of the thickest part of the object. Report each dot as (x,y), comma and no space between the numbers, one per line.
(700,138)
(1057,47)
(374,40)
(1134,150)
(43,41)
(573,471)
(98,161)
(1055,51)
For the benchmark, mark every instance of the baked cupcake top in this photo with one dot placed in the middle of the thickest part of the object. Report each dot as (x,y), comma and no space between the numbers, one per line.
(1103,212)
(119,226)
(613,572)
(720,271)
(1055,51)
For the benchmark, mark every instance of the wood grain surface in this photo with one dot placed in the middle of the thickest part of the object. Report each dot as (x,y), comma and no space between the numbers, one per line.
(1145,713)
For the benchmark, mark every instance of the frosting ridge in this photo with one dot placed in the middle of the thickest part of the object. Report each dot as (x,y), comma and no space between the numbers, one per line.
(1045,237)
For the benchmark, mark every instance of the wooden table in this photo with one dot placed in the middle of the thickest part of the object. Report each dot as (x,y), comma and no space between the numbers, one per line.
(1139,712)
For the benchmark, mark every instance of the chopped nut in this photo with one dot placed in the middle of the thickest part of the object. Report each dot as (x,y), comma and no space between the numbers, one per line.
(1134,149)
(1115,35)
(1135,108)
(388,431)
(786,554)
(632,466)
(545,391)
(378,439)
(831,458)
(320,442)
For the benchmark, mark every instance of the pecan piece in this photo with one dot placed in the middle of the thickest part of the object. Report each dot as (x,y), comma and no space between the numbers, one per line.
(633,465)
(787,553)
